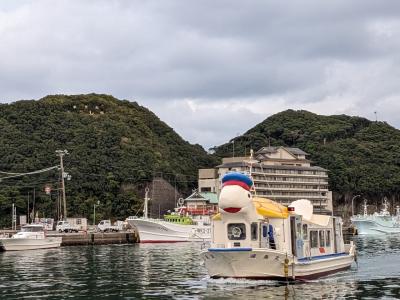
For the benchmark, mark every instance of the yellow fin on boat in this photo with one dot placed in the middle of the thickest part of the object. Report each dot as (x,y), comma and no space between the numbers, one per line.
(217,217)
(270,209)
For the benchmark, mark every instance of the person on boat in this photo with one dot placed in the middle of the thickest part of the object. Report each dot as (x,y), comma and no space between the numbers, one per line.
(271,239)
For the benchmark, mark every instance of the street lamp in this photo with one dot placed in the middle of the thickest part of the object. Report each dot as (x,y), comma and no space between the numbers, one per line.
(94,212)
(352,205)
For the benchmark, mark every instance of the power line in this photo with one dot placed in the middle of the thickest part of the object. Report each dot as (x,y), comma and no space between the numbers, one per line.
(29,173)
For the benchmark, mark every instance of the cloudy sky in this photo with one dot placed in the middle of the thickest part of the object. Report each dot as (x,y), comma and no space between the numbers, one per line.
(210,69)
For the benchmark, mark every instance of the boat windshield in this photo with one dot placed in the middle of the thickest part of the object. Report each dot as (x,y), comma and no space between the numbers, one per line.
(32,228)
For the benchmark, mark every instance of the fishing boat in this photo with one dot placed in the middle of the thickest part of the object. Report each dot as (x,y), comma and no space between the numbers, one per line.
(184,224)
(30,237)
(257,238)
(381,222)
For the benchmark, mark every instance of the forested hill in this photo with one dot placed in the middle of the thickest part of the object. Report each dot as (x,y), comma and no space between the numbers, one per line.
(363,156)
(115,149)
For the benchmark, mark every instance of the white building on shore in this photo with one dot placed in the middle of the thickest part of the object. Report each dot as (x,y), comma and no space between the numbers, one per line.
(282,174)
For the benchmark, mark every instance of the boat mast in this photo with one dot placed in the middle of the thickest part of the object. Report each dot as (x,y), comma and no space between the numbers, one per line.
(385,205)
(365,208)
(146,204)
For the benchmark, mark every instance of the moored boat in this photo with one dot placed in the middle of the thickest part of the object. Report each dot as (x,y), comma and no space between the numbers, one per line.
(378,223)
(31,236)
(257,238)
(182,225)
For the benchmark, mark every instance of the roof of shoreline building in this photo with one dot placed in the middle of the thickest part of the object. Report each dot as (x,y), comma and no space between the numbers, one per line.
(271,149)
(207,196)
(280,167)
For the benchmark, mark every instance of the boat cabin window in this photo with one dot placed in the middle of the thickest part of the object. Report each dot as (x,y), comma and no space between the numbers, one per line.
(236,231)
(264,231)
(328,238)
(314,238)
(298,230)
(322,238)
(305,232)
(254,230)
(32,229)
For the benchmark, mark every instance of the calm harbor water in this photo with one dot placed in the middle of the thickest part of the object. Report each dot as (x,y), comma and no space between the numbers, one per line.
(174,271)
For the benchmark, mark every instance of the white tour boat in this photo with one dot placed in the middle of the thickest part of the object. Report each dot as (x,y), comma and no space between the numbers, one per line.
(379,222)
(178,226)
(30,237)
(257,238)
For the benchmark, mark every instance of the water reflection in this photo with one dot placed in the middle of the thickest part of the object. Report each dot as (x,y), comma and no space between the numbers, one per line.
(175,272)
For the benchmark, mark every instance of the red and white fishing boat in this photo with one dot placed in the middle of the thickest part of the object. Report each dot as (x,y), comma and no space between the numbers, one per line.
(189,222)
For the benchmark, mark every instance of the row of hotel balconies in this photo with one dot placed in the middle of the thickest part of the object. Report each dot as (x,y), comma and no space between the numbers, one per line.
(325,197)
(290,172)
(258,187)
(290,175)
(288,180)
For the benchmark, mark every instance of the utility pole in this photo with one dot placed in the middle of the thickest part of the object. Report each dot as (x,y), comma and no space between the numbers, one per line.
(61,154)
(33,208)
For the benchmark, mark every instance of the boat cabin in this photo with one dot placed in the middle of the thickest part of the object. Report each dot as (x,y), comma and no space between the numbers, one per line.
(294,230)
(32,228)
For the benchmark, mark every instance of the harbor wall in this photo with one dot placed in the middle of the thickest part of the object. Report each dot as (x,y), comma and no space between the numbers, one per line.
(97,238)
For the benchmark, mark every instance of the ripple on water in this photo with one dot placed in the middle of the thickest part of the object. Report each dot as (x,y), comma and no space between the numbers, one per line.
(173,271)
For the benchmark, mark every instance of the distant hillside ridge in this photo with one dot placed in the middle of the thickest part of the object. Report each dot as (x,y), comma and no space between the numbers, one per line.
(116,147)
(362,156)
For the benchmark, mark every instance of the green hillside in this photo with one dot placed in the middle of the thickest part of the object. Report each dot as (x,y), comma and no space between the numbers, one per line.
(116,147)
(363,156)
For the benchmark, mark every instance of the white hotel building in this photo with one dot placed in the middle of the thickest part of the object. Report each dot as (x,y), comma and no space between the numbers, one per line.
(280,173)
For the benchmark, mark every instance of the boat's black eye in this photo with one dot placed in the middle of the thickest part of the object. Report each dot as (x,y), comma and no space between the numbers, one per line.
(248,195)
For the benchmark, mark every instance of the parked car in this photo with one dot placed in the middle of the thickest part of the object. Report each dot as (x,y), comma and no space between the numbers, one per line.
(65,226)
(107,226)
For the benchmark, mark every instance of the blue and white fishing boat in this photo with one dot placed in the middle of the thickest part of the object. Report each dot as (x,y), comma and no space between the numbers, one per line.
(257,238)
(379,222)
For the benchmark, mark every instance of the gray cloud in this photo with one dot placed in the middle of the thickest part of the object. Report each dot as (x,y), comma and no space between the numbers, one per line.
(210,69)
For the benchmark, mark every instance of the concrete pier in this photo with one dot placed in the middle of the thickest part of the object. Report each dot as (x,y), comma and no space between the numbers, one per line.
(89,238)
(97,238)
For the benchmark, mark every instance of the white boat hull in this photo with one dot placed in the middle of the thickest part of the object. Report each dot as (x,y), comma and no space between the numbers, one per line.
(159,231)
(15,244)
(269,264)
(370,226)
